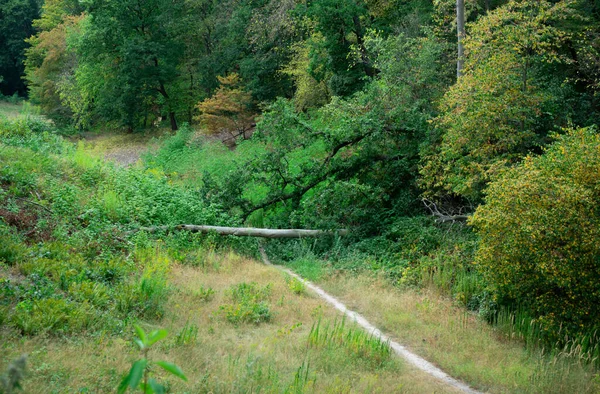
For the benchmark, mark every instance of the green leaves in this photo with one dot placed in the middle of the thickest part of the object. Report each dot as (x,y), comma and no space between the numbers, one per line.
(511,94)
(133,379)
(140,370)
(172,369)
(539,235)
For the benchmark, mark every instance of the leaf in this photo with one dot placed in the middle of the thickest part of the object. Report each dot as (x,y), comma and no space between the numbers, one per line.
(172,369)
(132,380)
(142,336)
(156,336)
(155,387)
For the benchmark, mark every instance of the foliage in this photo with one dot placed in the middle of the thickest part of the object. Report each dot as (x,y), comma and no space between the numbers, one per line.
(140,372)
(249,304)
(63,230)
(310,92)
(16,18)
(229,109)
(508,98)
(140,69)
(50,68)
(538,231)
(10,381)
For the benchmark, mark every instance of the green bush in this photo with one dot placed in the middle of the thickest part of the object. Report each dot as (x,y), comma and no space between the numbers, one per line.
(145,298)
(51,315)
(248,304)
(539,232)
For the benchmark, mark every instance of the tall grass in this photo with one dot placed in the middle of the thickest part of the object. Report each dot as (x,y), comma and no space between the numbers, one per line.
(353,339)
(518,324)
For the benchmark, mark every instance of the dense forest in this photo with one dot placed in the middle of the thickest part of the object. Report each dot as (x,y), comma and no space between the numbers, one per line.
(457,142)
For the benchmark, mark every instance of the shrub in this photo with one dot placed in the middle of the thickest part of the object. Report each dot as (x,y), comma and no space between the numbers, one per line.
(539,235)
(248,304)
(51,315)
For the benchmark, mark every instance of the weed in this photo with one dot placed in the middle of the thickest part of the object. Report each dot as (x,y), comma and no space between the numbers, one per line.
(204,293)
(139,374)
(301,380)
(353,339)
(295,285)
(248,304)
(111,202)
(144,298)
(188,335)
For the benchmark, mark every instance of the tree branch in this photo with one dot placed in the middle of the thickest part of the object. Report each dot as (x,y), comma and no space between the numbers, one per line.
(441,217)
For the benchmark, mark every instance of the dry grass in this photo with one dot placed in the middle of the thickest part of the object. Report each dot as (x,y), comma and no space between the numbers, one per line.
(122,148)
(457,341)
(10,110)
(223,358)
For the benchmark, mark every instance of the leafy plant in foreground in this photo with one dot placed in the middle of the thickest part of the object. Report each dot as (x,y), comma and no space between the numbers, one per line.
(139,374)
(10,381)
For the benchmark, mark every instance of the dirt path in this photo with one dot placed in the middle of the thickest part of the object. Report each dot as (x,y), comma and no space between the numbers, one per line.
(400,350)
(123,149)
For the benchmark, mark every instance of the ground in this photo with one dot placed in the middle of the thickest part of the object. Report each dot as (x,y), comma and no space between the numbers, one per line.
(123,149)
(222,357)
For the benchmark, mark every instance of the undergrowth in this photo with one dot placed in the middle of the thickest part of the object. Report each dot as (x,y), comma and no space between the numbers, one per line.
(71,258)
(249,304)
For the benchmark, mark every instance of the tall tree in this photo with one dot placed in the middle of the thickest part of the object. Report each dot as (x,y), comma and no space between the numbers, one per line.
(460,30)
(511,94)
(16,17)
(139,45)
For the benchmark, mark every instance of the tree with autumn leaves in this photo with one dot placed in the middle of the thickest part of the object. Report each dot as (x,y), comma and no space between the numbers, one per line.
(228,110)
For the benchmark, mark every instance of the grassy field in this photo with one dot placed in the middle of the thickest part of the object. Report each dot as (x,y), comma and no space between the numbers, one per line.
(12,110)
(234,325)
(460,343)
(123,148)
(222,355)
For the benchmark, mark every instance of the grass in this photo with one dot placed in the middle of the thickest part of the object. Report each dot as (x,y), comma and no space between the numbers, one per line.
(274,357)
(461,344)
(122,148)
(18,109)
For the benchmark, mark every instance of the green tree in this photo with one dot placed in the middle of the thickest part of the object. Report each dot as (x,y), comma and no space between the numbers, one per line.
(539,232)
(50,66)
(16,17)
(511,93)
(137,47)
(342,24)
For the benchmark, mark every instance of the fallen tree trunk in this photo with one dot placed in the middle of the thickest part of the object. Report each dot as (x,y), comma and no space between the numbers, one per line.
(245,231)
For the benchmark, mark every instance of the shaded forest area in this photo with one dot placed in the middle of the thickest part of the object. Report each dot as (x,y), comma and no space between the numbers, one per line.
(350,114)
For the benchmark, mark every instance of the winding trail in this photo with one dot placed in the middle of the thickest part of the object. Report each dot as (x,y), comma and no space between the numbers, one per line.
(400,350)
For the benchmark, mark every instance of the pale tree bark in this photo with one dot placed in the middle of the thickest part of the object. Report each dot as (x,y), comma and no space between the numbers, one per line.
(245,231)
(460,29)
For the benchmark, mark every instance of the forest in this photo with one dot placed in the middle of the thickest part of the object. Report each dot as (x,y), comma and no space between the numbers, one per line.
(448,150)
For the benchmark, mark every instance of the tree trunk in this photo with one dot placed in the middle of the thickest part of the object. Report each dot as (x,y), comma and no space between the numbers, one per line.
(173,121)
(246,231)
(460,28)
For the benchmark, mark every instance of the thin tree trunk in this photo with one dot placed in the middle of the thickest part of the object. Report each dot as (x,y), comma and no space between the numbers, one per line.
(460,28)
(164,93)
(173,121)
(246,231)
